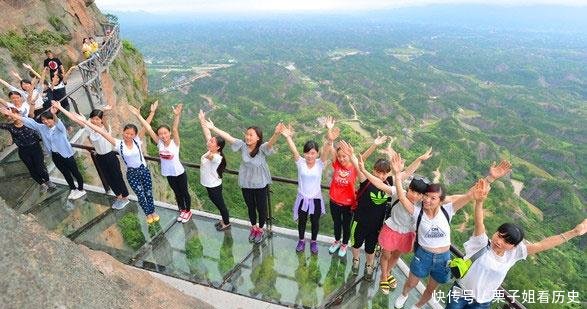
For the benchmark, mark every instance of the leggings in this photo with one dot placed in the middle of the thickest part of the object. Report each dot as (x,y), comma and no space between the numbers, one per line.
(110,167)
(215,195)
(139,179)
(179,185)
(256,200)
(68,168)
(341,216)
(314,219)
(32,157)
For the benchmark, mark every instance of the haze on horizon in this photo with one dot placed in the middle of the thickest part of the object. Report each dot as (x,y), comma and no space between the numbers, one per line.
(260,6)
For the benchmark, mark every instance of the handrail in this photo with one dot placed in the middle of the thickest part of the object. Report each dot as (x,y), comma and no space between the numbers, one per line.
(511,302)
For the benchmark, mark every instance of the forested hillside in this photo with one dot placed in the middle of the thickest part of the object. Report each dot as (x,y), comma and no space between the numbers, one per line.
(474,94)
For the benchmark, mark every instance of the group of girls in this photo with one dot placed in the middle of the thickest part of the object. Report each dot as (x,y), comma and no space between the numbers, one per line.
(418,219)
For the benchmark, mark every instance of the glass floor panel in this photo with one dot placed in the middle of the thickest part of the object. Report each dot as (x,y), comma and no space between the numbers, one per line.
(64,216)
(195,251)
(274,272)
(15,190)
(122,233)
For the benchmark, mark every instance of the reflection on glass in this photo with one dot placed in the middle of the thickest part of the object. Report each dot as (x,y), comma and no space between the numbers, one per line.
(130,228)
(308,278)
(263,275)
(194,251)
(335,274)
(226,259)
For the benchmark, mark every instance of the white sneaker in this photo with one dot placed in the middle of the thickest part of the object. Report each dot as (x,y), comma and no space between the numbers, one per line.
(400,301)
(122,203)
(43,188)
(75,194)
(72,194)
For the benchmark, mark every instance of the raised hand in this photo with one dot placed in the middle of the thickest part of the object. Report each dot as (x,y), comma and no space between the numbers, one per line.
(208,123)
(481,190)
(287,131)
(346,148)
(333,134)
(581,228)
(177,109)
(500,170)
(27,66)
(329,123)
(427,155)
(154,106)
(380,140)
(397,163)
(361,163)
(107,108)
(5,111)
(202,116)
(55,104)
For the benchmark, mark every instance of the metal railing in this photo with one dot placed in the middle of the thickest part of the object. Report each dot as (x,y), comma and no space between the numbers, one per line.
(510,301)
(91,68)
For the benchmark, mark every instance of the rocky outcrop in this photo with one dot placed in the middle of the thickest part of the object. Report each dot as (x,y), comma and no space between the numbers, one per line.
(44,270)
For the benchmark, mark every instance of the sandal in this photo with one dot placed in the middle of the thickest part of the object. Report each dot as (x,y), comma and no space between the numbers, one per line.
(221,228)
(355,267)
(384,285)
(392,282)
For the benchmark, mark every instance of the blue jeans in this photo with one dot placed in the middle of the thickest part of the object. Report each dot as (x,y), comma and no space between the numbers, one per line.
(426,263)
(456,302)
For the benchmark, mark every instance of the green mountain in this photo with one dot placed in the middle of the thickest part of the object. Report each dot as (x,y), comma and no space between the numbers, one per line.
(474,94)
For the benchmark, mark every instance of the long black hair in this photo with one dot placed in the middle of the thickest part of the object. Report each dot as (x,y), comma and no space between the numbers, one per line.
(97,113)
(511,233)
(221,142)
(259,142)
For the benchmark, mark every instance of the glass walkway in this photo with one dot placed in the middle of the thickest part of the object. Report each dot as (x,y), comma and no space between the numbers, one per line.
(196,252)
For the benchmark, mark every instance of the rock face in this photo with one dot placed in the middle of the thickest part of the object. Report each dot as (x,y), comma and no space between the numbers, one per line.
(125,80)
(44,270)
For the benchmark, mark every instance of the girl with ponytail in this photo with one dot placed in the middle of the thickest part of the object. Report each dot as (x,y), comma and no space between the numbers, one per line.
(213,164)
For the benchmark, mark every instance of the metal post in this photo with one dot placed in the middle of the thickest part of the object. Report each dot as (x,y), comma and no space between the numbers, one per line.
(269,212)
(100,172)
(89,94)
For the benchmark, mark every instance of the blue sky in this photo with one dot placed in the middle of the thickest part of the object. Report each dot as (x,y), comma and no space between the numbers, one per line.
(243,6)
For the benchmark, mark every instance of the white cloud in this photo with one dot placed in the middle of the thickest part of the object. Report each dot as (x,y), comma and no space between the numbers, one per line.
(244,6)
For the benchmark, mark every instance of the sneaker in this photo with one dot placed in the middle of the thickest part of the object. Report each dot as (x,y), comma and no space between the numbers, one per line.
(252,234)
(400,301)
(335,245)
(314,247)
(181,216)
(355,267)
(122,203)
(221,227)
(115,204)
(187,216)
(43,188)
(301,246)
(50,184)
(368,273)
(75,194)
(72,194)
(342,251)
(259,236)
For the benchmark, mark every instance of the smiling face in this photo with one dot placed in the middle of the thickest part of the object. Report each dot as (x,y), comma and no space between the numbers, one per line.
(343,158)
(212,145)
(499,244)
(49,122)
(129,134)
(16,99)
(414,196)
(431,200)
(164,134)
(96,121)
(311,156)
(251,137)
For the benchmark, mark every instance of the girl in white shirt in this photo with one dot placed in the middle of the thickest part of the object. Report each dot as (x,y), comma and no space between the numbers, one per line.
(487,273)
(168,143)
(432,248)
(106,158)
(309,201)
(137,172)
(212,165)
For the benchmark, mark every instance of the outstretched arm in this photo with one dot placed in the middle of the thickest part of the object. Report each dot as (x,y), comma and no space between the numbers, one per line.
(288,133)
(556,240)
(143,122)
(70,115)
(498,171)
(98,129)
(227,137)
(30,68)
(176,117)
(379,140)
(153,109)
(411,169)
(66,75)
(480,193)
(202,118)
(397,165)
(5,83)
(332,134)
(278,129)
